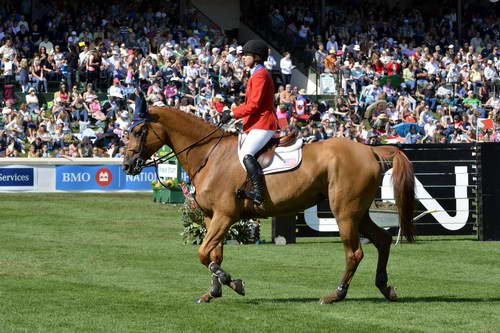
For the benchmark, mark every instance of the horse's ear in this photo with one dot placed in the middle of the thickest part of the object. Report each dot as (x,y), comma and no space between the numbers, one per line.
(141,107)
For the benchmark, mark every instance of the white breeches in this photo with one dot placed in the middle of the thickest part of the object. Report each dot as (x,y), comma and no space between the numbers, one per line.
(255,140)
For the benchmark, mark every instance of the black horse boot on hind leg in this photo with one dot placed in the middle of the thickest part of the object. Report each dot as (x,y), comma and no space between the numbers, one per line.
(256,179)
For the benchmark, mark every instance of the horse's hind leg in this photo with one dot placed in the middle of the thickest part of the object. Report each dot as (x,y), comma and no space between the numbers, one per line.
(382,241)
(211,255)
(348,228)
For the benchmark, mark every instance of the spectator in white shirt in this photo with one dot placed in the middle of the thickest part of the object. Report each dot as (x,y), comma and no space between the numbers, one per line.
(116,90)
(8,50)
(432,67)
(82,57)
(286,68)
(49,47)
(490,72)
(194,40)
(332,43)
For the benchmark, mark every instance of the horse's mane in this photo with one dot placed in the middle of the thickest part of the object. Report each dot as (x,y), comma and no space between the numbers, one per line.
(196,122)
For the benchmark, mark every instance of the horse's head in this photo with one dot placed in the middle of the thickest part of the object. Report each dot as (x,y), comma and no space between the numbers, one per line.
(145,138)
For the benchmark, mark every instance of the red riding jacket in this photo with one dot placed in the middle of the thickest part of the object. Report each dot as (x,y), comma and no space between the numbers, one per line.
(258,112)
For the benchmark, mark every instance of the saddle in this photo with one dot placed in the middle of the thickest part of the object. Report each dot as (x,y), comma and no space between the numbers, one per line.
(265,155)
(279,154)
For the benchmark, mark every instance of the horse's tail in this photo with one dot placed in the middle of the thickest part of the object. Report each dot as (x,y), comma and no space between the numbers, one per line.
(403,178)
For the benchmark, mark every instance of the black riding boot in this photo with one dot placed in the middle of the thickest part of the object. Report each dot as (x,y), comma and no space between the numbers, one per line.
(256,178)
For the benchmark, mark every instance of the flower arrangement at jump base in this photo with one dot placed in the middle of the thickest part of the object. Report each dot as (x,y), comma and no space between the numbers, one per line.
(245,231)
(167,191)
(171,183)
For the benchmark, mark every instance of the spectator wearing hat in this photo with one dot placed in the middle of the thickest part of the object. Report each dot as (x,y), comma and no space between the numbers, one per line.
(73,39)
(194,39)
(123,120)
(231,56)
(490,73)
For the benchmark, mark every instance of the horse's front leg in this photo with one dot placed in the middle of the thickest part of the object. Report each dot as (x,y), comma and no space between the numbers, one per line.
(211,255)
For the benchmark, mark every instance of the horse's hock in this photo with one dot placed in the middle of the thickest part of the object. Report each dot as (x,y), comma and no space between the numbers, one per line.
(456,191)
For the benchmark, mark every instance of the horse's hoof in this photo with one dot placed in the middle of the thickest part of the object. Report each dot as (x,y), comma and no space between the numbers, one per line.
(201,300)
(328,300)
(204,299)
(238,286)
(391,294)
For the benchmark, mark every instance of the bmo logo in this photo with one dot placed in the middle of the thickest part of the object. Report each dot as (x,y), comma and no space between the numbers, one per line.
(87,177)
(75,177)
(103,177)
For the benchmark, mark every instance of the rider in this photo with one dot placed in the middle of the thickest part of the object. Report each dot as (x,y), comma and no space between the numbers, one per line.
(259,117)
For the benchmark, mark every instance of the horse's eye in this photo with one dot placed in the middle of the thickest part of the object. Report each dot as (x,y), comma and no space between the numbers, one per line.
(137,131)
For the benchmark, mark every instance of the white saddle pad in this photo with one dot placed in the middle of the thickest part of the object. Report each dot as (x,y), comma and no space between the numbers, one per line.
(284,158)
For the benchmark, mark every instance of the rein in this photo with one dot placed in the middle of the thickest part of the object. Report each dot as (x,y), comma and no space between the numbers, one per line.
(155,162)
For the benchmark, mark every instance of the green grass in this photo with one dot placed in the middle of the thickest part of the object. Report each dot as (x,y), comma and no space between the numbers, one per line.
(116,263)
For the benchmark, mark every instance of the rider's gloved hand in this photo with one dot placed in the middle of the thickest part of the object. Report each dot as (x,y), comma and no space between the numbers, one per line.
(226,116)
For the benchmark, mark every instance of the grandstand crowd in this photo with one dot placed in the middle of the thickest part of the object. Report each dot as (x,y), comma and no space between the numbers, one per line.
(402,75)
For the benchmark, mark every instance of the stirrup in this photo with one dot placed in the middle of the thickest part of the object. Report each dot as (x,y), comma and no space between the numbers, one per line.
(258,200)
(242,194)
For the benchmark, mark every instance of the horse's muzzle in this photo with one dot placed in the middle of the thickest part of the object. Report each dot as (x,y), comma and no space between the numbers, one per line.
(133,168)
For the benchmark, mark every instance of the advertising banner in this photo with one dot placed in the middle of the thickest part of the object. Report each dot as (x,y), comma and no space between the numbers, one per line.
(327,84)
(101,177)
(87,177)
(167,170)
(446,197)
(141,181)
(19,178)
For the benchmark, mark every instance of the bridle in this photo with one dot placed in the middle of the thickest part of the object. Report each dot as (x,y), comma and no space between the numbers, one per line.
(140,163)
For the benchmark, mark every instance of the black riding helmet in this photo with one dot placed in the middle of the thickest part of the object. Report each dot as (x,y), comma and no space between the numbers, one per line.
(256,46)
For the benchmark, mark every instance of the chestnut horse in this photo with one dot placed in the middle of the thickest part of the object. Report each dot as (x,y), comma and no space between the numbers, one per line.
(345,172)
